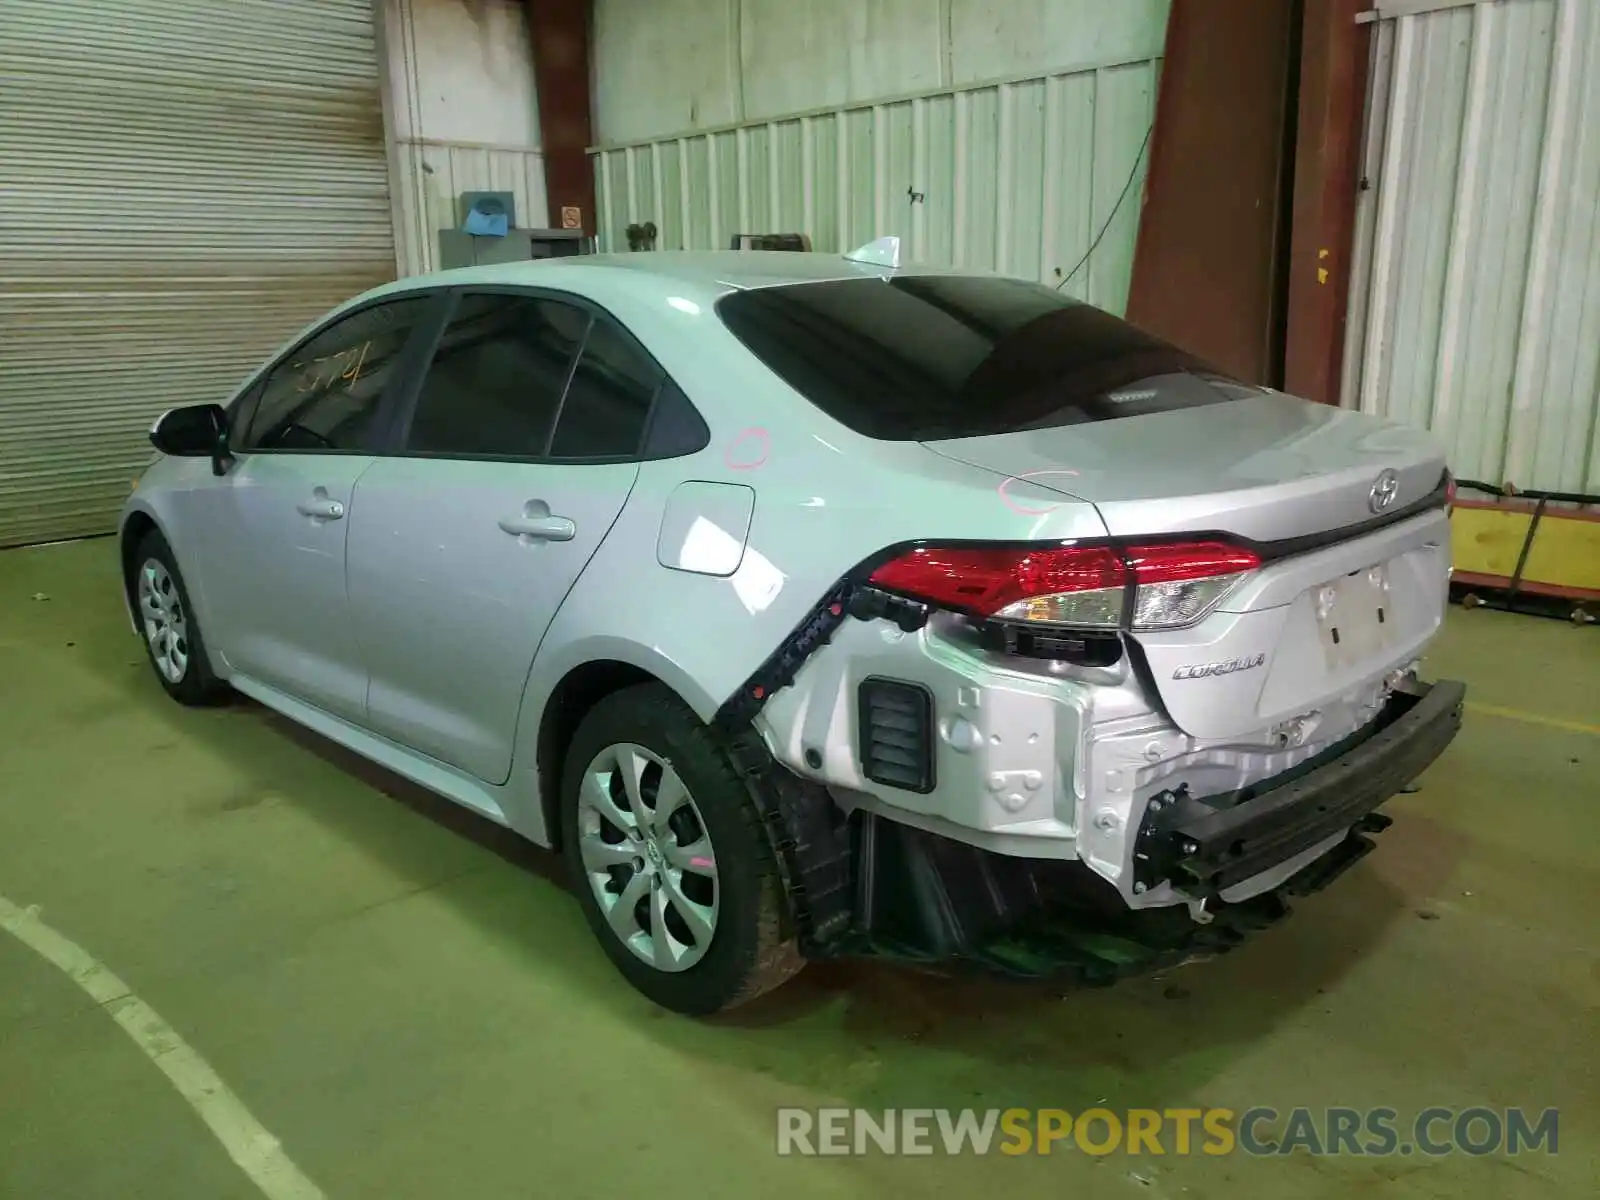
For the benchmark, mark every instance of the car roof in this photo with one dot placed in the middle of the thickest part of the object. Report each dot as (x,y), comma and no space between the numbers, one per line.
(710,273)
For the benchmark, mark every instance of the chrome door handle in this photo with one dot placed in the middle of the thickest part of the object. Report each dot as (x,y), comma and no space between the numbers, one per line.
(320,506)
(543,528)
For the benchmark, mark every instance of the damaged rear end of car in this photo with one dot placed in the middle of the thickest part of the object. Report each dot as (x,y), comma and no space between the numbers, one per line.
(1104,754)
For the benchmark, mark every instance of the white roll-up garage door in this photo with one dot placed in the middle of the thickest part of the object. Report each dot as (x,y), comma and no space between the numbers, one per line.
(183,184)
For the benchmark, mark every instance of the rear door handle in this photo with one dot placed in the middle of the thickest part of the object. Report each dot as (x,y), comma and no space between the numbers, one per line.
(544,528)
(321,506)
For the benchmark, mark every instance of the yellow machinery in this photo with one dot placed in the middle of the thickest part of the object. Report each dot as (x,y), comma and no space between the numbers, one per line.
(1541,546)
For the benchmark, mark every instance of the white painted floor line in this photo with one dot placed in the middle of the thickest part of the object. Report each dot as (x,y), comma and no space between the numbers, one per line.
(255,1150)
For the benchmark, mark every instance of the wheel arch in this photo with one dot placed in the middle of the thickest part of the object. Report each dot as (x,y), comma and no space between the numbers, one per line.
(136,526)
(156,513)
(559,696)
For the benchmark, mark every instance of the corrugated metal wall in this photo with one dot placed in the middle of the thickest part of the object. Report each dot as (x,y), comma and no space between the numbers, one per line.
(1479,246)
(665,67)
(1018,176)
(463,117)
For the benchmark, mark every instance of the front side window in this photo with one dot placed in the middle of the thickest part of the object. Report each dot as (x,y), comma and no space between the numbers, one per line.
(326,395)
(497,378)
(922,357)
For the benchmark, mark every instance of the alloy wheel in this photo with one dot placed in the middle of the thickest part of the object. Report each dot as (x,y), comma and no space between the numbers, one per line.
(166,625)
(648,857)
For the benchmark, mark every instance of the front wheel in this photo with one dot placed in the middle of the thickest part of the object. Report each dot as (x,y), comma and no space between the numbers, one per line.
(171,630)
(668,857)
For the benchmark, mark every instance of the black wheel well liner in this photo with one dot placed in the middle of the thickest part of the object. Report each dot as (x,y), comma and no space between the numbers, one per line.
(571,700)
(134,530)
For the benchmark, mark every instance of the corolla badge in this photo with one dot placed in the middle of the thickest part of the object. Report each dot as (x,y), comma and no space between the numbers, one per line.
(1384,490)
(1225,667)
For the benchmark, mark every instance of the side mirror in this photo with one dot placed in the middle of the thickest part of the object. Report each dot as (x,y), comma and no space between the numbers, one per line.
(193,431)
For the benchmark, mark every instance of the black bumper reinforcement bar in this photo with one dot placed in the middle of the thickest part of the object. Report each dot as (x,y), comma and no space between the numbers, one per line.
(1207,846)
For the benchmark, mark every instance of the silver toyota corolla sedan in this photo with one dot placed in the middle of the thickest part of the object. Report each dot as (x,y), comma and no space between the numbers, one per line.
(815,606)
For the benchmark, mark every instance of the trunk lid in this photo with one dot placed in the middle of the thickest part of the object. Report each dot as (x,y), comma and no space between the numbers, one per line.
(1266,467)
(1304,634)
(1325,615)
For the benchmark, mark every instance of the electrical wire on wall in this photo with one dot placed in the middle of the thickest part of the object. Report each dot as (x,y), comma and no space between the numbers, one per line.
(1115,209)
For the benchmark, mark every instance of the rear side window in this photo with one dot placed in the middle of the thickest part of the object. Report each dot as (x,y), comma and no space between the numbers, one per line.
(608,399)
(676,426)
(326,394)
(949,356)
(497,378)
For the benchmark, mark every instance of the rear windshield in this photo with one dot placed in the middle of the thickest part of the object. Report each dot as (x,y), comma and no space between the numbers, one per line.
(919,357)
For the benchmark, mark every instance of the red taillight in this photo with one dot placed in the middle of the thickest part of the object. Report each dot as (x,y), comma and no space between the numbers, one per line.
(1072,585)
(984,581)
(1449,493)
(1190,560)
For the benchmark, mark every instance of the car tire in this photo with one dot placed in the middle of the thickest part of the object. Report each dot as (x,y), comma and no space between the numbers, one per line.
(648,733)
(169,626)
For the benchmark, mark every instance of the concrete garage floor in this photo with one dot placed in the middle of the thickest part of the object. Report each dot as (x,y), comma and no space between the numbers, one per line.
(406,999)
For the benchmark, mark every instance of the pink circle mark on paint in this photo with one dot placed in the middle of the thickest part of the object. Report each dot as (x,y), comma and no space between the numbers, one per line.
(697,861)
(1023,510)
(755,444)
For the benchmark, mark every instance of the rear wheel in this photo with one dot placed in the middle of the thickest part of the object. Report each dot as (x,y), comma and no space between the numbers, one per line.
(171,631)
(668,857)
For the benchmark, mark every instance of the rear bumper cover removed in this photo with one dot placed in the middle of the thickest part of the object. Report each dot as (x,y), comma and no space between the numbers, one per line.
(1205,847)
(865,885)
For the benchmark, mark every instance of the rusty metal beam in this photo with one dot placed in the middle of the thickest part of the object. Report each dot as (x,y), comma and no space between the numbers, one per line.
(1207,268)
(559,32)
(1333,85)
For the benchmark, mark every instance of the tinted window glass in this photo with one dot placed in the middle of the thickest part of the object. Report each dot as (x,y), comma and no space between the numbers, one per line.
(608,399)
(241,413)
(325,395)
(676,427)
(919,357)
(496,378)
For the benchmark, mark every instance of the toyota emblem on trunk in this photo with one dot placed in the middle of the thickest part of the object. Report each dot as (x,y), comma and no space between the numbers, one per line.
(1384,489)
